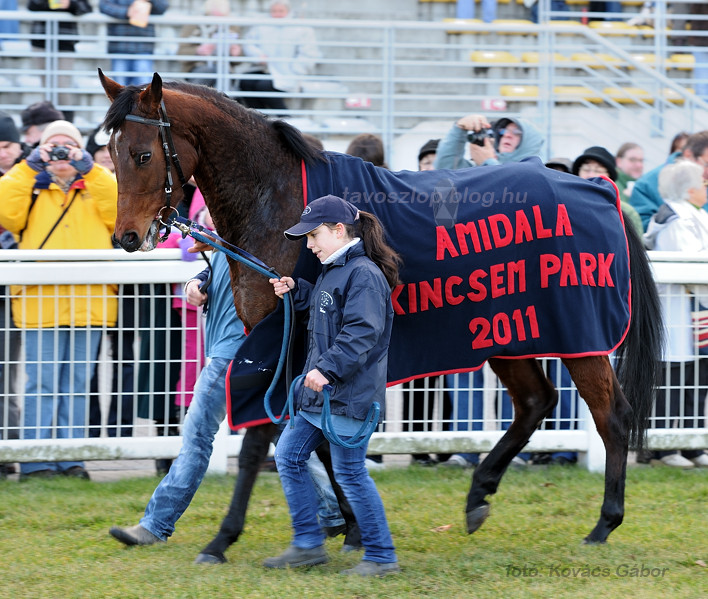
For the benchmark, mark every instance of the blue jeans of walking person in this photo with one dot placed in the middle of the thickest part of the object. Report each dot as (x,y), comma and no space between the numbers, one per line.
(176,490)
(328,506)
(467,399)
(294,447)
(59,365)
(143,67)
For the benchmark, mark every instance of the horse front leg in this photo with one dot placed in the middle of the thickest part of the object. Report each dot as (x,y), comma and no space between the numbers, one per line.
(534,397)
(254,449)
(599,387)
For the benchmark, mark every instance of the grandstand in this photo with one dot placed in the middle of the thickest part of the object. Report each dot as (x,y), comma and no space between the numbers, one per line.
(406,69)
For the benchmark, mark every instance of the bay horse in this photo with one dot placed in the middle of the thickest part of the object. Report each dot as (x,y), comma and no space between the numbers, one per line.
(250,170)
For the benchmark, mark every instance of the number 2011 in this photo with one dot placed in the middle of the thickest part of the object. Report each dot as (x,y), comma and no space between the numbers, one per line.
(502,328)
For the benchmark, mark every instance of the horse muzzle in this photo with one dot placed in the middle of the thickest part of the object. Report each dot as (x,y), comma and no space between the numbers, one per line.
(131,241)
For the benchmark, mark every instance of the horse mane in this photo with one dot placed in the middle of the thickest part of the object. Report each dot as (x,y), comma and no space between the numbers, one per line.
(291,137)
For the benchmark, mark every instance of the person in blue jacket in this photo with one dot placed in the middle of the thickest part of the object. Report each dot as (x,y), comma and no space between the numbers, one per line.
(349,328)
(507,140)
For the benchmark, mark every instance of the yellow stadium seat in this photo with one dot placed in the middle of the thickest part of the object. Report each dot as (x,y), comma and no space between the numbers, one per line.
(560,23)
(613,27)
(519,91)
(493,57)
(647,59)
(596,61)
(461,22)
(628,95)
(674,97)
(535,57)
(682,62)
(512,22)
(575,93)
(646,30)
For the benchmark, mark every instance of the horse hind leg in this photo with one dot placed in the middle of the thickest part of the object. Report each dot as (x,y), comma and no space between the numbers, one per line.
(598,386)
(254,449)
(534,397)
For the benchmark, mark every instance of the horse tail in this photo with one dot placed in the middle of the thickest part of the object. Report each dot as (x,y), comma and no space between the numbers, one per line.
(295,141)
(639,357)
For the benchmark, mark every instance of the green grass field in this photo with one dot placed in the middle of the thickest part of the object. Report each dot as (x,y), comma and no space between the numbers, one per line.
(55,542)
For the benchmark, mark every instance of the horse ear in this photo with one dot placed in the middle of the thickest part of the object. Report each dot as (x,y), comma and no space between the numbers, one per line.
(112,88)
(151,96)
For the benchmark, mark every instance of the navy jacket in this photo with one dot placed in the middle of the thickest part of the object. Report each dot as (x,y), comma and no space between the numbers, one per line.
(349,328)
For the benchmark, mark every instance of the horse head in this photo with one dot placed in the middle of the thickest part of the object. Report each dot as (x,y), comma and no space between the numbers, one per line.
(144,146)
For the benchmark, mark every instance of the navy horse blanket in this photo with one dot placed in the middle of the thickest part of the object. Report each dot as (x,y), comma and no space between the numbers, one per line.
(509,261)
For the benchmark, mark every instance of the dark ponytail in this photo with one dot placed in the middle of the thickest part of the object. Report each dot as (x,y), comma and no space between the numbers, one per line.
(373,237)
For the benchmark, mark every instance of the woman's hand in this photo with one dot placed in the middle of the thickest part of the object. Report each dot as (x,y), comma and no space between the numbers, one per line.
(315,380)
(282,286)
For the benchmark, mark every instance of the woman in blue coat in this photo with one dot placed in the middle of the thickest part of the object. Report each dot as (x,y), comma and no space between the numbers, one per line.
(349,327)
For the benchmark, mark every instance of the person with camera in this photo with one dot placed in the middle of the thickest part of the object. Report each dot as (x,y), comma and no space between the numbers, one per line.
(57,198)
(507,140)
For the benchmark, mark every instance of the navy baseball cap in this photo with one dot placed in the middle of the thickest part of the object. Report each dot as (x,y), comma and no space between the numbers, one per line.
(327,209)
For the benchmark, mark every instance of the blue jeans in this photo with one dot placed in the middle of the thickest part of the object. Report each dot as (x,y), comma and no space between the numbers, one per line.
(328,506)
(294,447)
(470,397)
(57,383)
(175,491)
(700,74)
(141,65)
(567,407)
(465,10)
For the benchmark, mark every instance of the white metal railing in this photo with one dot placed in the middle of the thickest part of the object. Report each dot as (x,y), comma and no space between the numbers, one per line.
(388,77)
(440,430)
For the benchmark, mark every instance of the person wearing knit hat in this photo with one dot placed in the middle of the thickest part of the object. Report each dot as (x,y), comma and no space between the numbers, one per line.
(426,155)
(60,152)
(62,128)
(36,117)
(11,149)
(56,199)
(595,162)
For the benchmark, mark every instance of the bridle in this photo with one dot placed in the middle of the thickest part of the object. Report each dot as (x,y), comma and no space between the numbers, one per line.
(171,157)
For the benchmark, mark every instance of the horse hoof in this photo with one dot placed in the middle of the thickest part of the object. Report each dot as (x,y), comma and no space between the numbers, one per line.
(476,518)
(205,558)
(589,541)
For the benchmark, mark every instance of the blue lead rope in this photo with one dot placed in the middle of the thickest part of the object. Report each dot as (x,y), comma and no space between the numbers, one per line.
(188,227)
(359,439)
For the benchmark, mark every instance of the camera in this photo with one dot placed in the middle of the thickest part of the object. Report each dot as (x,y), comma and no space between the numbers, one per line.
(59,153)
(478,137)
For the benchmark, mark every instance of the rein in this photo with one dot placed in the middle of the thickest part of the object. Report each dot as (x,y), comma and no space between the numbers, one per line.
(199,233)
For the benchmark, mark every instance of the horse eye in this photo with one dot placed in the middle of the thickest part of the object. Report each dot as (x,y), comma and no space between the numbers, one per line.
(143,158)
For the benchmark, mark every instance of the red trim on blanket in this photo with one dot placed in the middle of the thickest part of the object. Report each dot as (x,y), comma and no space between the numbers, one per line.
(227,389)
(304,182)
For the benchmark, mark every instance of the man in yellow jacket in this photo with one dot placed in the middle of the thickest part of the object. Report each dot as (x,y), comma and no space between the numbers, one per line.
(57,198)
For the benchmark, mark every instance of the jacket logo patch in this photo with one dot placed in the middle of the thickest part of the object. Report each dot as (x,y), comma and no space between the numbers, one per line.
(325,300)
